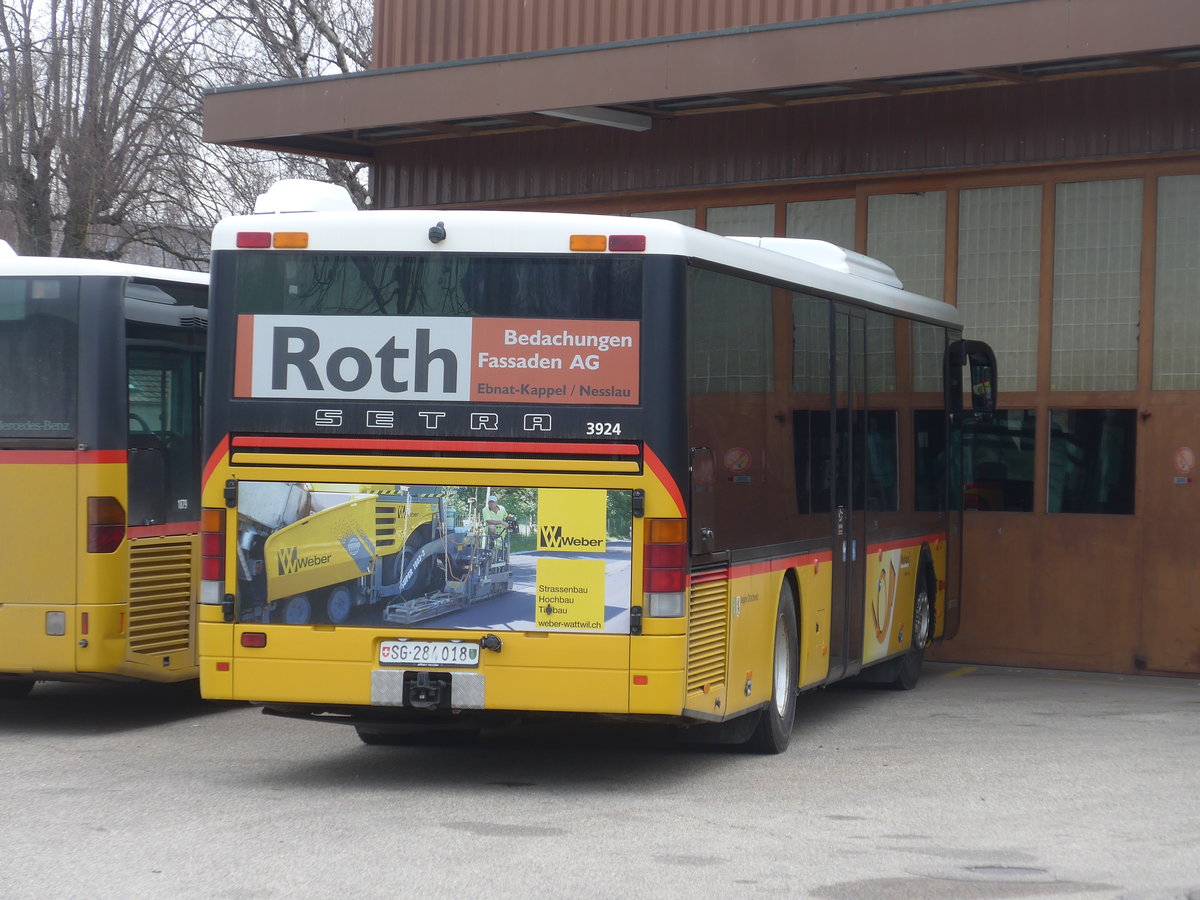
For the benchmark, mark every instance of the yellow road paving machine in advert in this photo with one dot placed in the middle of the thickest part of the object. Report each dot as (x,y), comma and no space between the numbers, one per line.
(316,555)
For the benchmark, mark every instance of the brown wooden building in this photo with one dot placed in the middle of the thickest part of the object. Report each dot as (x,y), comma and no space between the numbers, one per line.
(1036,162)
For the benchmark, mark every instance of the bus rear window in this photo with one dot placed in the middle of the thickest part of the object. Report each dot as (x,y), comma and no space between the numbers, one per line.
(39,338)
(439,284)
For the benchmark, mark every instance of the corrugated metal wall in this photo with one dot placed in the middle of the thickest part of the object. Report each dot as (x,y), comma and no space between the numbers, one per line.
(1108,117)
(411,32)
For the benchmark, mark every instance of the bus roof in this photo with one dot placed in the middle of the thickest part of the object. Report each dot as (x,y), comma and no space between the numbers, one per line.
(814,265)
(54,266)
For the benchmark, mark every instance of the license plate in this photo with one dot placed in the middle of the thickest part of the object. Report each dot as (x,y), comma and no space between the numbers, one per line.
(429,653)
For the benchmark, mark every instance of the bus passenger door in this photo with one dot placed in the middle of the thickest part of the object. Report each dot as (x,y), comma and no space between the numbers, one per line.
(847,604)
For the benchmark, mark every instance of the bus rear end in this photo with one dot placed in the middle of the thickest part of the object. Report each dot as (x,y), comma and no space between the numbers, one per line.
(99,580)
(444,486)
(40,477)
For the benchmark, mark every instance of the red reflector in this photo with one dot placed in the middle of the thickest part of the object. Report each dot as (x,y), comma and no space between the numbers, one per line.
(627,242)
(253,240)
(212,568)
(254,639)
(104,538)
(666,556)
(83,623)
(665,581)
(222,667)
(641,679)
(212,544)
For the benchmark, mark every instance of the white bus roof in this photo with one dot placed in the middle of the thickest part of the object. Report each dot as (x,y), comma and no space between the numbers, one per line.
(815,265)
(57,266)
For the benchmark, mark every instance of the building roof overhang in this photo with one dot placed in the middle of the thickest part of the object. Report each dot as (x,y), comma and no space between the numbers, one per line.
(636,84)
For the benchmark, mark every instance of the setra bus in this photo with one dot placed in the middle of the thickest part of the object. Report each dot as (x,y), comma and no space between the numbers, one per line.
(467,466)
(101,367)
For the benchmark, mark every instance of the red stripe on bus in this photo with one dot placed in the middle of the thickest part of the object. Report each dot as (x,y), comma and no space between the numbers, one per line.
(215,458)
(664,477)
(932,539)
(244,357)
(766,566)
(62,457)
(170,530)
(434,446)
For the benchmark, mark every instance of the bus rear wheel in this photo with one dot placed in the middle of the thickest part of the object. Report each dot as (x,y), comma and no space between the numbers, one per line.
(432,737)
(15,688)
(774,729)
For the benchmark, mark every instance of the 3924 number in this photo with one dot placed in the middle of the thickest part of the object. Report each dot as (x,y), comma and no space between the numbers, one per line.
(603,428)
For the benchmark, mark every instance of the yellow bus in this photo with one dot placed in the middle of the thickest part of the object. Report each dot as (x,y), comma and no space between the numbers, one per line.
(100,376)
(465,467)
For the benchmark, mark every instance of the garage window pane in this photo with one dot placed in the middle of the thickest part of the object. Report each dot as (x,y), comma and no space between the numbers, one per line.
(998,462)
(1176,285)
(753,221)
(908,232)
(822,220)
(682,216)
(999,262)
(1091,461)
(1097,269)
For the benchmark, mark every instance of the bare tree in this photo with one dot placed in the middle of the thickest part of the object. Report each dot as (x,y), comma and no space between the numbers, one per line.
(100,108)
(92,137)
(280,40)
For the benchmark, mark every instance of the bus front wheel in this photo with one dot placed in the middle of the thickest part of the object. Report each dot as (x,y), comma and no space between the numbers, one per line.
(909,670)
(774,728)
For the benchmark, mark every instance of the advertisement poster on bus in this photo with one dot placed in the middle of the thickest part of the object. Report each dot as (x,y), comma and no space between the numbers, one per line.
(438,358)
(435,556)
(880,637)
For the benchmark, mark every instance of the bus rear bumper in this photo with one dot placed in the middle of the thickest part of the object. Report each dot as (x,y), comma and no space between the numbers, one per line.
(325,684)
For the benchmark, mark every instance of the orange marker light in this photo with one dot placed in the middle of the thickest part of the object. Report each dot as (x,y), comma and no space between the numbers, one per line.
(291,240)
(589,242)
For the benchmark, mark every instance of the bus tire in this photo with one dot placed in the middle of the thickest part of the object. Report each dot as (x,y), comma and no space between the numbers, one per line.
(339,604)
(774,729)
(908,672)
(15,688)
(434,737)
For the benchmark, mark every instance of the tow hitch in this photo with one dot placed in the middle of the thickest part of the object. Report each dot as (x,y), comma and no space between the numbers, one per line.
(427,690)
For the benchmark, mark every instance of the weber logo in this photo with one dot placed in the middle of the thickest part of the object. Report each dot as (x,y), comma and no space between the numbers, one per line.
(551,537)
(291,562)
(369,358)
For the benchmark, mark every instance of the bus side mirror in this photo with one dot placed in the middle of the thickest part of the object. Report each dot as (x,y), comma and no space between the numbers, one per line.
(981,361)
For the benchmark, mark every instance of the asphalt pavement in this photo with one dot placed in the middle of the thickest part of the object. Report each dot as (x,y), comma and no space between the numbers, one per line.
(981,783)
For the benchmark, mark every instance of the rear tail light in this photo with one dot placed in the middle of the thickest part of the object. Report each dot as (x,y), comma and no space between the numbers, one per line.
(253,240)
(212,555)
(665,568)
(105,524)
(627,242)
